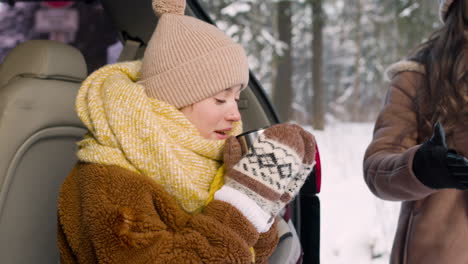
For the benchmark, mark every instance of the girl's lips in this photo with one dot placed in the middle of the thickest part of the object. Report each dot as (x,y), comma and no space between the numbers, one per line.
(221,134)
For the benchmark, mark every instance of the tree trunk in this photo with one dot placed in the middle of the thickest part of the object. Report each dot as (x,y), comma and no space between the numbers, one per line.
(355,103)
(318,102)
(282,91)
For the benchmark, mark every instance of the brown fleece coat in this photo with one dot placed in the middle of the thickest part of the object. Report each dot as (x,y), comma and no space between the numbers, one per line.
(107,214)
(433,224)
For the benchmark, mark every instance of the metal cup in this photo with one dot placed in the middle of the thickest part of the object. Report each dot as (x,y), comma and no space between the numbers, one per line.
(246,139)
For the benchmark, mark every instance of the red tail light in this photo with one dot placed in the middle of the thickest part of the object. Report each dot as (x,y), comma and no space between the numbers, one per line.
(318,170)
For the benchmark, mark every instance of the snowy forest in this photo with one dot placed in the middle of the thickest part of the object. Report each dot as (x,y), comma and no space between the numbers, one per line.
(322,63)
(325,58)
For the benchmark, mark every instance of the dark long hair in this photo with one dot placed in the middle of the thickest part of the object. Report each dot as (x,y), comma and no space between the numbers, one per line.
(444,95)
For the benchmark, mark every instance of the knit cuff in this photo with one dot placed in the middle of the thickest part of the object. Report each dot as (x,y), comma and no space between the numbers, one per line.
(246,206)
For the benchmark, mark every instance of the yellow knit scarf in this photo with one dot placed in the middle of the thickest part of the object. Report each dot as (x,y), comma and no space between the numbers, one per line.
(145,135)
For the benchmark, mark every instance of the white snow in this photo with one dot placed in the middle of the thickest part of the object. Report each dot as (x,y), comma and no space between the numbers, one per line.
(356,226)
(235,8)
(407,11)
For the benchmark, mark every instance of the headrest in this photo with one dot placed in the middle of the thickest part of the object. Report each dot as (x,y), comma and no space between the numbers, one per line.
(45,59)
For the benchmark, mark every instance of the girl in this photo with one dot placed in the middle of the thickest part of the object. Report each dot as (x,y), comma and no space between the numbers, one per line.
(150,186)
(406,161)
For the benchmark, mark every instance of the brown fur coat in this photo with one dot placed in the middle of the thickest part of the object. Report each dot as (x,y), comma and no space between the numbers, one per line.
(107,214)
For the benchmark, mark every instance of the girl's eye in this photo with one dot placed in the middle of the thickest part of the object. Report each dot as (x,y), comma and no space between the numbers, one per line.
(237,100)
(220,101)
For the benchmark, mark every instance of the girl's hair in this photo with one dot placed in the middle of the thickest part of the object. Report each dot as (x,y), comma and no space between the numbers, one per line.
(444,95)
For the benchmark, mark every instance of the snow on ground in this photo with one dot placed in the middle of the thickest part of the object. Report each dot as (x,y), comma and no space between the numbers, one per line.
(356,226)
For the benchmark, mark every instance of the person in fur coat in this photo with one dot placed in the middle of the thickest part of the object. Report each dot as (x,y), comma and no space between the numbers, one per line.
(418,153)
(161,177)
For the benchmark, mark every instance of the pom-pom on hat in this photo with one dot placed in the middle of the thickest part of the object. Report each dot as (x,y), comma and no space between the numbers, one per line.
(176,7)
(188,60)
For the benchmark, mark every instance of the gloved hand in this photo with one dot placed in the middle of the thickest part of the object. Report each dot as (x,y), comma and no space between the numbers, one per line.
(458,168)
(274,169)
(438,167)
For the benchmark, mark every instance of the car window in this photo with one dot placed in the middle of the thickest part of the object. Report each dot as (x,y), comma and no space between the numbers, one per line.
(83,25)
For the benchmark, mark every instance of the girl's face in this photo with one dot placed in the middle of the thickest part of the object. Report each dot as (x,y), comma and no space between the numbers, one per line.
(214,116)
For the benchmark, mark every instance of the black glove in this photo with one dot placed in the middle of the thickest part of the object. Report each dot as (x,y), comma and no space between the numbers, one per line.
(438,167)
(458,167)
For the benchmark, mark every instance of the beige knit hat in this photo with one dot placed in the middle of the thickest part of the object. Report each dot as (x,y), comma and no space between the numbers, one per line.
(188,60)
(443,8)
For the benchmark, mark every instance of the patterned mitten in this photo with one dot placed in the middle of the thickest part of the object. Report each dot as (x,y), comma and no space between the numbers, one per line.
(270,174)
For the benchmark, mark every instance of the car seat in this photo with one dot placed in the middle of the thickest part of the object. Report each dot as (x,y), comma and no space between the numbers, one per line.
(39,80)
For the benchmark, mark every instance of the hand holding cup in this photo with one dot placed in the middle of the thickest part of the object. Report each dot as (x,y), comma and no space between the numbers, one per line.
(274,168)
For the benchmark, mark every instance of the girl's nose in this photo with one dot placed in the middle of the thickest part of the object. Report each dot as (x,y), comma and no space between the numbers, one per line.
(233,115)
